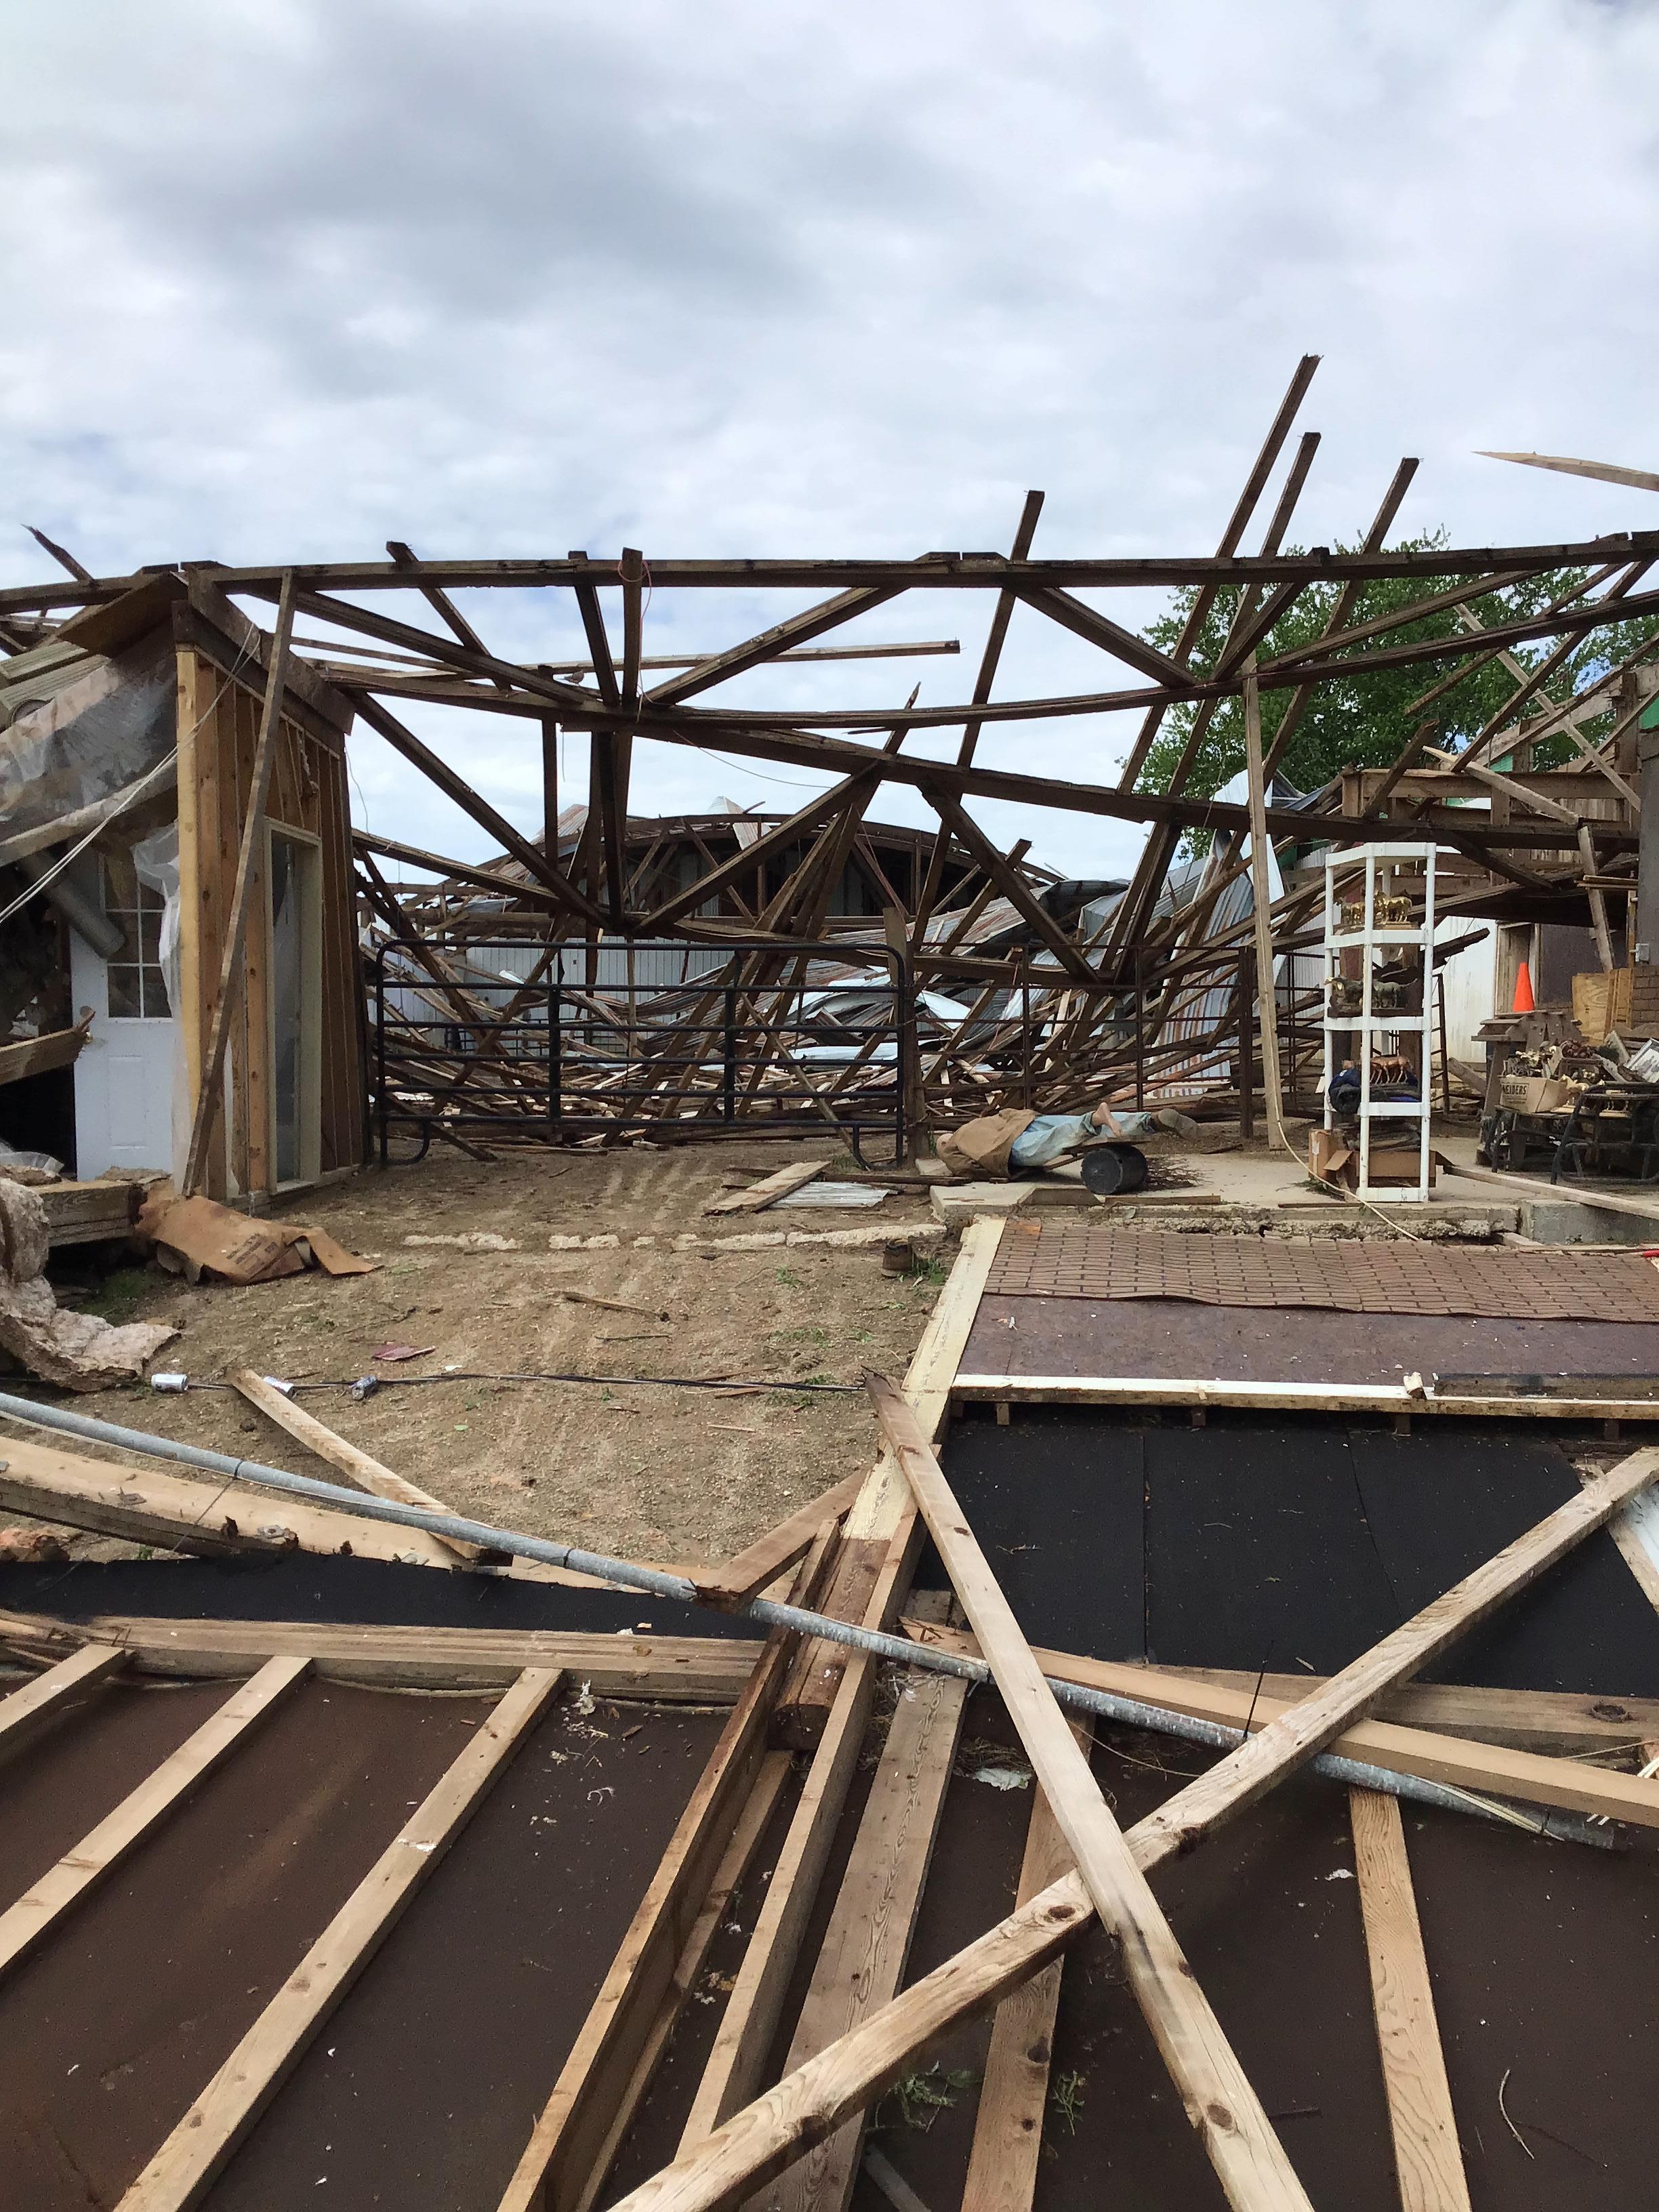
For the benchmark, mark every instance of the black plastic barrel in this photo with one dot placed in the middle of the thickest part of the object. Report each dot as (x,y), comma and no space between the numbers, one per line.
(1114,1170)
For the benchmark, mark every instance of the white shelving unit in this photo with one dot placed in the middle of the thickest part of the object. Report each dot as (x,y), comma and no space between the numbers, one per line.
(1413,867)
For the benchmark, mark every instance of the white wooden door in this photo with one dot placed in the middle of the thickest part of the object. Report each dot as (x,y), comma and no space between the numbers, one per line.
(124,1077)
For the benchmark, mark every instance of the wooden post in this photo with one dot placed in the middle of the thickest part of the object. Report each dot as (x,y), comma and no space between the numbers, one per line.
(1261,884)
(210,1098)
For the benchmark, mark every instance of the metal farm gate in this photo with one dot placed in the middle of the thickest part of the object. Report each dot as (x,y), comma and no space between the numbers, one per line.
(515,1039)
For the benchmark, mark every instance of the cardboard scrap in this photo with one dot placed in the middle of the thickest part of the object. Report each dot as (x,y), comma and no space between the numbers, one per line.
(194,1236)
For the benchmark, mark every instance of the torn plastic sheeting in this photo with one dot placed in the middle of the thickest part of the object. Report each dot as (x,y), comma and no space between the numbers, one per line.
(81,748)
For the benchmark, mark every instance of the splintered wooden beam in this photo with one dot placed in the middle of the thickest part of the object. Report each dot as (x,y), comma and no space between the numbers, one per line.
(185,2166)
(1014,2093)
(1428,2161)
(210,1096)
(883,1520)
(44,1905)
(461,871)
(1409,1741)
(750,858)
(769,2135)
(1221,2107)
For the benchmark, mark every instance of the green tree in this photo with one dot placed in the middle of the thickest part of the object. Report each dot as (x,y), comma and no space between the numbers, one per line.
(1366,721)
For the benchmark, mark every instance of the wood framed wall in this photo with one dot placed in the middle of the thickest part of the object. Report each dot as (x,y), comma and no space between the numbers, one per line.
(218,721)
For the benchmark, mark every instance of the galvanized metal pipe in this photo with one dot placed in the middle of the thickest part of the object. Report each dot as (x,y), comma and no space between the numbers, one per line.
(1106,1704)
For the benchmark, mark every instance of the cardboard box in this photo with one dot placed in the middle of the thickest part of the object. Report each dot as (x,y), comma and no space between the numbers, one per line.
(1332,1159)
(1535,1094)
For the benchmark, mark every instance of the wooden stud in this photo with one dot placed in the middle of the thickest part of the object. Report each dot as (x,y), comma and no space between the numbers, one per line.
(230,995)
(183,2169)
(867,1942)
(1013,2095)
(1428,2163)
(699,1670)
(27,1713)
(45,1903)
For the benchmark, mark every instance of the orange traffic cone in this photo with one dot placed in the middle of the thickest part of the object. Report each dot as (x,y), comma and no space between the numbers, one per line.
(1524,1001)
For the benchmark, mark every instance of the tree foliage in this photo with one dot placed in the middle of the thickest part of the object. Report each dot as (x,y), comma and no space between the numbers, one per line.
(1366,721)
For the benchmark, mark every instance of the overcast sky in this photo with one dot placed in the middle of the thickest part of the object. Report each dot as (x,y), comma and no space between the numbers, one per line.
(508,277)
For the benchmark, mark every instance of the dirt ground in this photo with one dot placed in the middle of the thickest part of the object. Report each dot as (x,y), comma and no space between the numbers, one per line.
(658,1474)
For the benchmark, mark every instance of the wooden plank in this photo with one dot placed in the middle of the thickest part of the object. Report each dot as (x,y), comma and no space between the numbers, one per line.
(318,1438)
(252,839)
(885,1514)
(1221,2107)
(560,2167)
(1288,1397)
(1013,2095)
(761,1804)
(186,2165)
(1428,2163)
(1261,887)
(674,1669)
(1567,1785)
(154,1506)
(65,1687)
(44,1905)
(1605,1201)
(867,1942)
(769,1189)
(766,1559)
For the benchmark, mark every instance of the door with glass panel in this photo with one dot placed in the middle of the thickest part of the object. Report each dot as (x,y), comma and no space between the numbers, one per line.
(125,1076)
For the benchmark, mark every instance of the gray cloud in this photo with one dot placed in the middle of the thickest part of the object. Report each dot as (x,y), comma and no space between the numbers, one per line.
(493,275)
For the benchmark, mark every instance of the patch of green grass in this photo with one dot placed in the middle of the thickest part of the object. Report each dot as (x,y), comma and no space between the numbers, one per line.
(118,1298)
(789,1279)
(931,1274)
